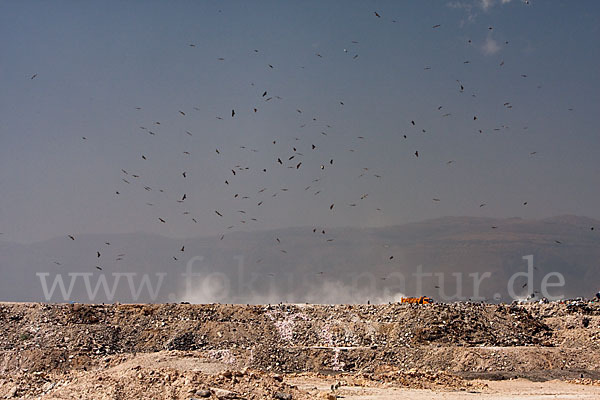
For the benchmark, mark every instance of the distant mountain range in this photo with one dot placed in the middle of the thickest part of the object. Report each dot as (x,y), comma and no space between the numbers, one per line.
(344,265)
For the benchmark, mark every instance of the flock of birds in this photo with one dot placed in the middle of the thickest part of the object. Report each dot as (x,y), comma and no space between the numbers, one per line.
(294,160)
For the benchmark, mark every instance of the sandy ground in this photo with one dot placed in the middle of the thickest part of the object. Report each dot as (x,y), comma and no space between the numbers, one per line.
(517,389)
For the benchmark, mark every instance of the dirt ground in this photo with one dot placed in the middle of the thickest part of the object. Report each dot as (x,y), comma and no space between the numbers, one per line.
(518,389)
(182,351)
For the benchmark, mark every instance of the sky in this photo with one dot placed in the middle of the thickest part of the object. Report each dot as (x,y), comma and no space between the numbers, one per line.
(523,129)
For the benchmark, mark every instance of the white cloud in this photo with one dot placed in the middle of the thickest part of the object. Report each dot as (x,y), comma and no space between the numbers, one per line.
(490,47)
(486,4)
(459,4)
(468,7)
(472,6)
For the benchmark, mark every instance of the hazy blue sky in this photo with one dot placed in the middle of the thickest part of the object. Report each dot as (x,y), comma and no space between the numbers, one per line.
(97,61)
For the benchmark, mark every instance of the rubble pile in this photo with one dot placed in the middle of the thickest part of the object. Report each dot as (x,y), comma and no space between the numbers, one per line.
(113,329)
(584,381)
(56,351)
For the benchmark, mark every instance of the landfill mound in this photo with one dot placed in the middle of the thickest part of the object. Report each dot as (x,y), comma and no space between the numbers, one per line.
(56,351)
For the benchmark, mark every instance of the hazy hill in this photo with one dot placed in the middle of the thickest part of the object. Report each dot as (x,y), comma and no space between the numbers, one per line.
(304,266)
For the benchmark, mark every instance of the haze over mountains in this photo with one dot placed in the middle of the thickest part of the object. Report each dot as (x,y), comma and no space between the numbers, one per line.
(234,163)
(358,265)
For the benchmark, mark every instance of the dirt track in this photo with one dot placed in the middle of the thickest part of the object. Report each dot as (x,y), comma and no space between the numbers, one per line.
(384,351)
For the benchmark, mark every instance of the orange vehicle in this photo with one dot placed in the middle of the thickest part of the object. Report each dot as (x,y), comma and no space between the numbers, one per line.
(417,300)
